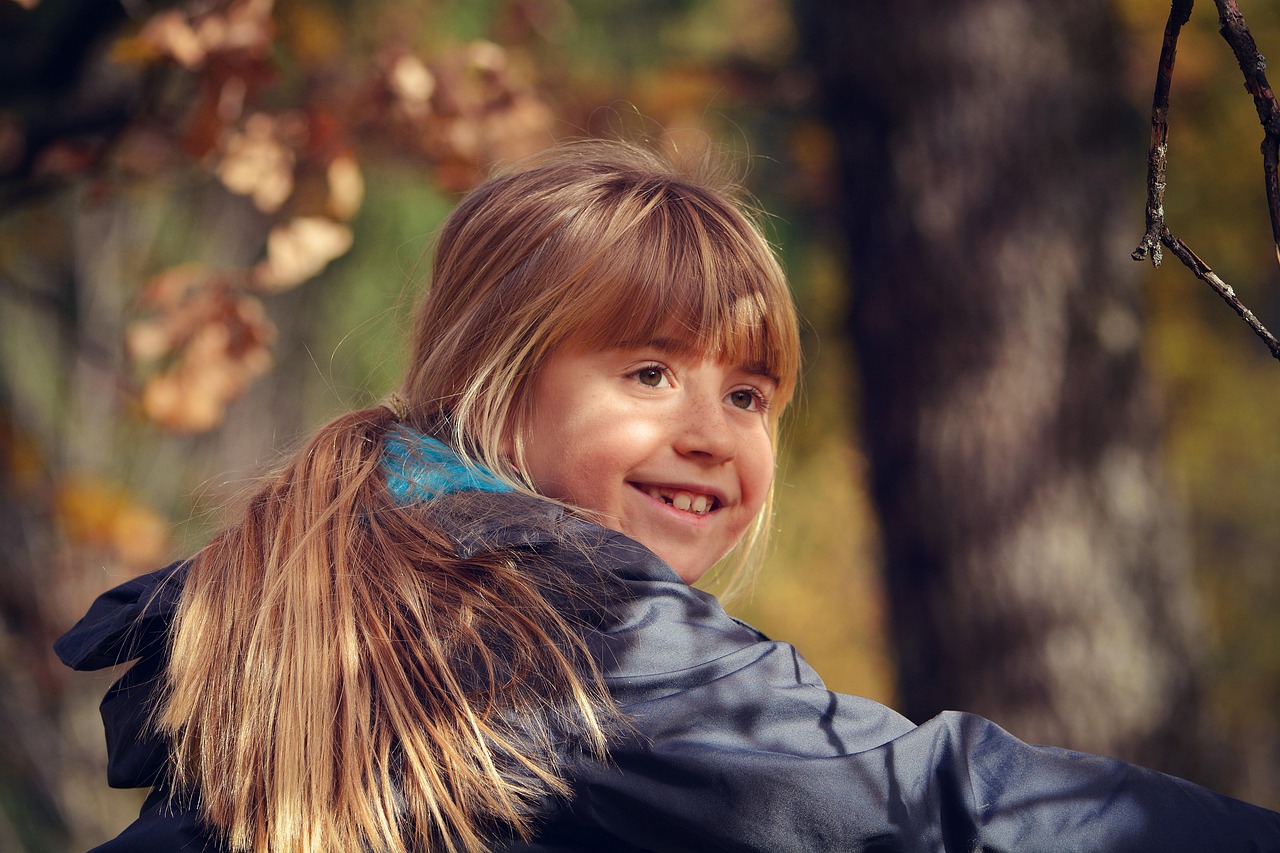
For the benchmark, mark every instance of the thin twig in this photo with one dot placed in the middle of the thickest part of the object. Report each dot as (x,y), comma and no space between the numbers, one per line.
(1203,272)
(1253,66)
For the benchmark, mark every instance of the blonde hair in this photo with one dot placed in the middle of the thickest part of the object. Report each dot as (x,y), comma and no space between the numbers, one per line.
(340,678)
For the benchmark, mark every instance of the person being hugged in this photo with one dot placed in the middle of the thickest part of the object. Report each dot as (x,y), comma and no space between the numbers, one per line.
(461,620)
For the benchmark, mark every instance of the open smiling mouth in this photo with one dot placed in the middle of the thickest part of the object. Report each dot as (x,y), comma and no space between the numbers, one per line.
(691,502)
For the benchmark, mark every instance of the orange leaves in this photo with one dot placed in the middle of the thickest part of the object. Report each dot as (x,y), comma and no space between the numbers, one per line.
(280,103)
(202,340)
(93,513)
(204,334)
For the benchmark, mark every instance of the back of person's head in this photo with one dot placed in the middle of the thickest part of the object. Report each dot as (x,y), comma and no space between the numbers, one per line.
(595,245)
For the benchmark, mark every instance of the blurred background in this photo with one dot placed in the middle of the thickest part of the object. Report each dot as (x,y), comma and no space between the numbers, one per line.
(1028,477)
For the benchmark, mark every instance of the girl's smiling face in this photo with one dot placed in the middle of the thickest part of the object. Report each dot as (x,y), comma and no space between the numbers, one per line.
(672,450)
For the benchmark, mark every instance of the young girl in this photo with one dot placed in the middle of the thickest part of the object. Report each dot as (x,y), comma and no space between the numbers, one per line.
(461,620)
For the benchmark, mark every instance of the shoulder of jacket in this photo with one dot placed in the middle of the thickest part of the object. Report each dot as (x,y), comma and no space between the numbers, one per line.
(126,622)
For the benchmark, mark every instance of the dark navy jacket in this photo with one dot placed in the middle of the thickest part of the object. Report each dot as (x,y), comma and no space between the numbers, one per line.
(737,745)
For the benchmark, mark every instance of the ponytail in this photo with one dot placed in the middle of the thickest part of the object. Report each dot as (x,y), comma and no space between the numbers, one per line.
(342,680)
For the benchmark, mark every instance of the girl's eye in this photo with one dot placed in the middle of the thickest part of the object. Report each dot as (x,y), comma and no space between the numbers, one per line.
(747,399)
(651,375)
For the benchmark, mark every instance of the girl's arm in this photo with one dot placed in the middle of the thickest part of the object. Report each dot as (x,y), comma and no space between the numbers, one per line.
(738,746)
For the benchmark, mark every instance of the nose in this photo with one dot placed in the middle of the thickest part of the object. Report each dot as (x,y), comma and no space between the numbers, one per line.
(705,432)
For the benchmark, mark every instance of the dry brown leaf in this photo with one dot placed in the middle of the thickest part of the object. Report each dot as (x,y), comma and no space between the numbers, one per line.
(202,340)
(300,249)
(170,34)
(236,27)
(257,163)
(485,110)
(214,367)
(244,26)
(412,83)
(346,187)
(93,512)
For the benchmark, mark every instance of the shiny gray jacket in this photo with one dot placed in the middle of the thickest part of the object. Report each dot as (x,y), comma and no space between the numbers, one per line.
(736,744)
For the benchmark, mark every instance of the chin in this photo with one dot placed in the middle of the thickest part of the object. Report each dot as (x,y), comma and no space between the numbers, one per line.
(688,575)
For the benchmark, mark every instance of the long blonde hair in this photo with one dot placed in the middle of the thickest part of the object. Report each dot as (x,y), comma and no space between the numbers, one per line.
(340,678)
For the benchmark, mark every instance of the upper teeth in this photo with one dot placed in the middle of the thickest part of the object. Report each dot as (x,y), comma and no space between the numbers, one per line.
(682,500)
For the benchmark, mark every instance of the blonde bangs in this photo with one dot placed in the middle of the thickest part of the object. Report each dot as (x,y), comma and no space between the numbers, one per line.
(692,272)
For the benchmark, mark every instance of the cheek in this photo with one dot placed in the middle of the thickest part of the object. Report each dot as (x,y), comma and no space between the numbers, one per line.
(758,469)
(580,458)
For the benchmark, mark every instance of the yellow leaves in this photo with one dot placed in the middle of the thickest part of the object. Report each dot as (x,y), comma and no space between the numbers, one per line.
(300,249)
(202,341)
(93,513)
(312,32)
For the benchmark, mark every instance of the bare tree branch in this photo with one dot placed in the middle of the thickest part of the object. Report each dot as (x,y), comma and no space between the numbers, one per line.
(1253,67)
(1206,274)
(1157,158)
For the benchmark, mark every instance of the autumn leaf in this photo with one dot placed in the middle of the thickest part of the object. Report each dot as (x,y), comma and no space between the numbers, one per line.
(170,34)
(346,187)
(93,512)
(298,250)
(201,341)
(189,37)
(258,163)
(412,84)
(485,110)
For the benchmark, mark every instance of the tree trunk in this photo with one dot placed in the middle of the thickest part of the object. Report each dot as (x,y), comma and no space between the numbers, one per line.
(1036,566)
